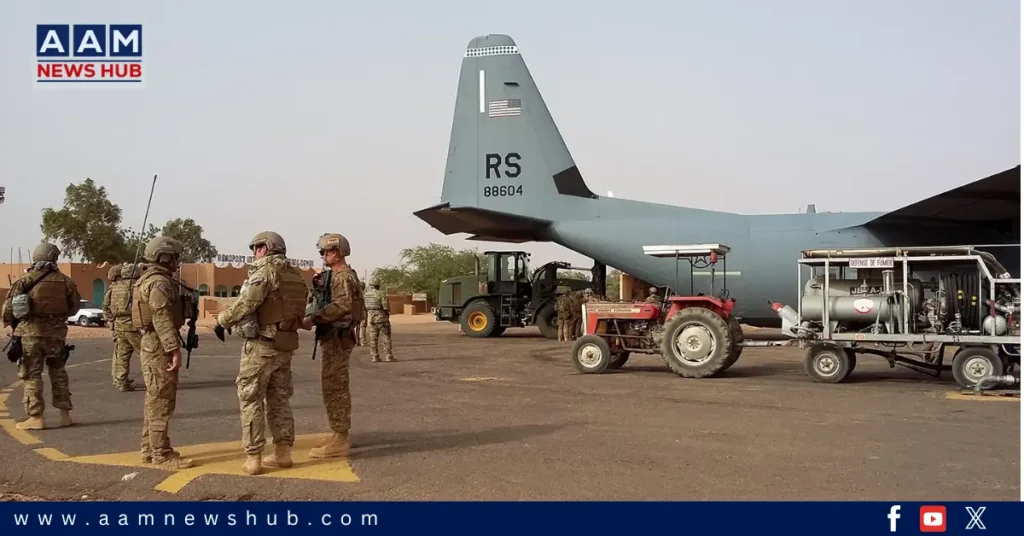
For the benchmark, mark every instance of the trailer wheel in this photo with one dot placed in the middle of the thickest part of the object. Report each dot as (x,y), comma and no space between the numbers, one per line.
(973,363)
(547,321)
(827,363)
(591,354)
(618,359)
(696,343)
(478,320)
(736,336)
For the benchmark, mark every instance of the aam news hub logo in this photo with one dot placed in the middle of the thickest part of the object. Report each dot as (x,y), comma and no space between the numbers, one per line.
(77,53)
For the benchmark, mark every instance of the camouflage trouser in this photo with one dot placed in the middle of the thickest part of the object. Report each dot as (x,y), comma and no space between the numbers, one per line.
(264,390)
(37,352)
(380,333)
(334,381)
(125,342)
(161,396)
(563,327)
(362,332)
(576,326)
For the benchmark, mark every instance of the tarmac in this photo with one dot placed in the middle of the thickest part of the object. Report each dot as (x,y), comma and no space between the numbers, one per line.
(457,418)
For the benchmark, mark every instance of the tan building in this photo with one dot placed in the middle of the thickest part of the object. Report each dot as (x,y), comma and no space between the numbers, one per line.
(208,279)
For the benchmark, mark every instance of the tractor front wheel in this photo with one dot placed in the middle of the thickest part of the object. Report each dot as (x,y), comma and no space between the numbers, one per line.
(591,354)
(478,320)
(696,343)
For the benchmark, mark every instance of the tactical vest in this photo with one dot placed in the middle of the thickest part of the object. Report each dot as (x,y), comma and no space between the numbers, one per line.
(371,299)
(142,314)
(119,298)
(357,309)
(285,308)
(49,295)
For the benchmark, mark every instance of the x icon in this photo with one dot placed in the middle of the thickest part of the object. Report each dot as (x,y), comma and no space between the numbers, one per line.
(975,518)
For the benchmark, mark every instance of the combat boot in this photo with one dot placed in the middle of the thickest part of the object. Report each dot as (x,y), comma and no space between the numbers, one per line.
(337,445)
(282,457)
(148,457)
(173,461)
(65,418)
(253,464)
(32,423)
(128,386)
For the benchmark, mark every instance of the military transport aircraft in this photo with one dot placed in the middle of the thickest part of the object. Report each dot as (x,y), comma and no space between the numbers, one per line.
(510,178)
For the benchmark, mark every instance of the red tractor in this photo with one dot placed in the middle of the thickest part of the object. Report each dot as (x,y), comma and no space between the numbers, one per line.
(696,335)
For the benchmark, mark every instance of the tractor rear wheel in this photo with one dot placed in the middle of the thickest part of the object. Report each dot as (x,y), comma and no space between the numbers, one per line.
(478,320)
(696,343)
(736,334)
(591,354)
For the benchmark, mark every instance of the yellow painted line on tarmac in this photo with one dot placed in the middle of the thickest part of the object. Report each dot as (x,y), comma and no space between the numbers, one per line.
(225,459)
(21,436)
(984,398)
(10,425)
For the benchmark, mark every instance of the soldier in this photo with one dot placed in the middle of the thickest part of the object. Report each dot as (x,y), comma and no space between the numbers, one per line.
(562,304)
(118,314)
(37,309)
(268,314)
(576,328)
(378,319)
(158,313)
(654,297)
(335,325)
(362,324)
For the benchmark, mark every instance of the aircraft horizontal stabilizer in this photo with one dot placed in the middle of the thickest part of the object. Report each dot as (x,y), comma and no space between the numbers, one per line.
(485,225)
(992,203)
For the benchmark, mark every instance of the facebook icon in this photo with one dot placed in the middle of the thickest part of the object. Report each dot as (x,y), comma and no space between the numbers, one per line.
(894,514)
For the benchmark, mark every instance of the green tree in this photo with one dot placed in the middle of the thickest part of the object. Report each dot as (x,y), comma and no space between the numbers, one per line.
(611,284)
(190,233)
(573,274)
(87,225)
(422,268)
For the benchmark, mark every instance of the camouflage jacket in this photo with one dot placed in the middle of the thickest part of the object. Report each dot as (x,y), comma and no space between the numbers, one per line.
(161,293)
(377,306)
(263,279)
(346,299)
(45,326)
(119,290)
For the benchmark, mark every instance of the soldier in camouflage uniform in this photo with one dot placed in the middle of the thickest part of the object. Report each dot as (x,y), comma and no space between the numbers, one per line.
(335,326)
(118,315)
(268,314)
(362,324)
(42,326)
(378,319)
(653,297)
(562,303)
(576,324)
(158,313)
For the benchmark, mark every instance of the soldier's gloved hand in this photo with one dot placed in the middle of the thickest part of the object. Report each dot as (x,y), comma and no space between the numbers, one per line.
(218,330)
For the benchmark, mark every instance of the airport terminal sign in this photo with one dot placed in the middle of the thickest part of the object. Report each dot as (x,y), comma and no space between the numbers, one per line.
(224,260)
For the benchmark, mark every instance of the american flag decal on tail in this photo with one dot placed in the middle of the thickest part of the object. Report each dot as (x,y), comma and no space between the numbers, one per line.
(504,108)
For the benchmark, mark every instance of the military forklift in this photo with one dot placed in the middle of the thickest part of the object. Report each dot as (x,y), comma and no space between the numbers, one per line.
(507,295)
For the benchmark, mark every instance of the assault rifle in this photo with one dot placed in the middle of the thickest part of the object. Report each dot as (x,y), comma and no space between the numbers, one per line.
(191,341)
(321,299)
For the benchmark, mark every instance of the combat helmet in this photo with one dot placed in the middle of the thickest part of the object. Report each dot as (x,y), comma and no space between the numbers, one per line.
(115,272)
(127,269)
(373,281)
(330,241)
(273,241)
(162,245)
(45,252)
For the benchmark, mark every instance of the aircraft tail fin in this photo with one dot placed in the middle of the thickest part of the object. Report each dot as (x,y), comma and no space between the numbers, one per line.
(508,165)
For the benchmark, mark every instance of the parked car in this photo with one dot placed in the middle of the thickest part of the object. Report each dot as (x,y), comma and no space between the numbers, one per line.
(89,314)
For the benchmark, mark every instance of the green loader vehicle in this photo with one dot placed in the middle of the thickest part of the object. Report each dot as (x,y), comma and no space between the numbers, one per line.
(508,295)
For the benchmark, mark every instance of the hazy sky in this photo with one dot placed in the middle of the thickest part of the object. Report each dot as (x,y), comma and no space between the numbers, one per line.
(316,116)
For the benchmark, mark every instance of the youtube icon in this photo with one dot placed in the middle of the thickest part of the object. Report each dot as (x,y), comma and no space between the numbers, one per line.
(933,519)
